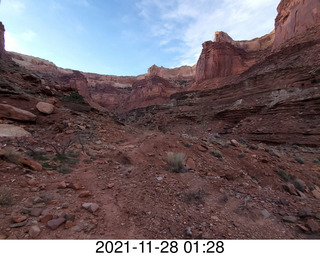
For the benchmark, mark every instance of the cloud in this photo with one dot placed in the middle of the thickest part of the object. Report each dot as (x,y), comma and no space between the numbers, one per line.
(28,35)
(15,7)
(192,22)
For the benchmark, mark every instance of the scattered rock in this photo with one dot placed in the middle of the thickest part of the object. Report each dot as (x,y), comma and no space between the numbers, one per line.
(299,160)
(18,219)
(34,231)
(70,217)
(85,194)
(316,194)
(265,213)
(290,189)
(11,112)
(235,143)
(202,148)
(111,185)
(46,218)
(91,207)
(36,212)
(290,219)
(26,210)
(62,185)
(313,225)
(18,225)
(75,186)
(304,212)
(32,182)
(303,228)
(318,216)
(34,165)
(188,231)
(69,224)
(190,164)
(45,108)
(55,223)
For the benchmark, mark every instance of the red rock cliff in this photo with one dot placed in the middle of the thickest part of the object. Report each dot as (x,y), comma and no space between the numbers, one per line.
(294,18)
(226,57)
(2,50)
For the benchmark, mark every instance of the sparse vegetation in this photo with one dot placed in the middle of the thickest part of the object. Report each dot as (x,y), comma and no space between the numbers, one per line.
(195,197)
(175,162)
(283,175)
(217,154)
(74,97)
(5,196)
(186,144)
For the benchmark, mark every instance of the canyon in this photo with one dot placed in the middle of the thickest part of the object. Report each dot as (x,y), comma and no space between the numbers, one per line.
(87,156)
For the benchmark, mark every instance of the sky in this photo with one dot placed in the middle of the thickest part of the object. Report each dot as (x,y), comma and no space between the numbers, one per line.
(126,37)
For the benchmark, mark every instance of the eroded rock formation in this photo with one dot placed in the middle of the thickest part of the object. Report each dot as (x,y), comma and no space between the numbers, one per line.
(2,49)
(226,57)
(294,18)
(180,73)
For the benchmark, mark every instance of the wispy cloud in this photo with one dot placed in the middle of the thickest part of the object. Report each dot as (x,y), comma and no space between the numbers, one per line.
(15,7)
(192,22)
(28,35)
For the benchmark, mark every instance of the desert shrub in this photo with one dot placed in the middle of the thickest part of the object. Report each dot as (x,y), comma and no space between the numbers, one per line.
(175,162)
(74,97)
(195,197)
(217,154)
(5,196)
(283,175)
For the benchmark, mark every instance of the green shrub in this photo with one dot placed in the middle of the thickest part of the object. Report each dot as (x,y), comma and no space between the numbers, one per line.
(74,97)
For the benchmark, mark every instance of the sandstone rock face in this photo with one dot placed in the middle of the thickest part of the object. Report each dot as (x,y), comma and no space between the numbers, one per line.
(220,60)
(108,92)
(11,112)
(183,72)
(256,44)
(153,90)
(45,108)
(2,50)
(225,57)
(294,18)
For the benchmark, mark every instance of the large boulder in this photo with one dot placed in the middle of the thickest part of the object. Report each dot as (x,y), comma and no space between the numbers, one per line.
(7,130)
(45,108)
(11,112)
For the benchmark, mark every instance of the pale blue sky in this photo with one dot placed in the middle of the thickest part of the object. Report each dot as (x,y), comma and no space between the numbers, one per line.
(125,37)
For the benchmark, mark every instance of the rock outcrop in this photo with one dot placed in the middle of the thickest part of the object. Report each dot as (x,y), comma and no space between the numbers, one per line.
(225,57)
(294,18)
(2,49)
(153,90)
(11,112)
(180,73)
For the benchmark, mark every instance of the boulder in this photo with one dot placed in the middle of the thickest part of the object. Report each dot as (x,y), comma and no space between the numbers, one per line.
(7,130)
(11,112)
(45,108)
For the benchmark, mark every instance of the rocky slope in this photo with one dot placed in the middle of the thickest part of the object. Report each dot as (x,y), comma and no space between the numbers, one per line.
(240,160)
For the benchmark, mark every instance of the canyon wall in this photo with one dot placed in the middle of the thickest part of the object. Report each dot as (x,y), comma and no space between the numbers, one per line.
(2,49)
(225,57)
(295,17)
